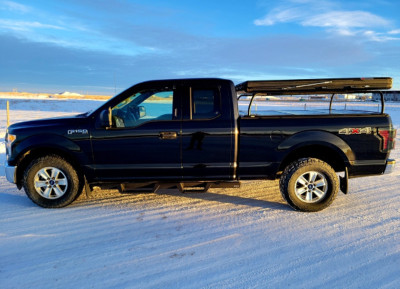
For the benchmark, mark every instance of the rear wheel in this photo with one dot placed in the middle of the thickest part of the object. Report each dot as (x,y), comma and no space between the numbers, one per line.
(52,182)
(309,185)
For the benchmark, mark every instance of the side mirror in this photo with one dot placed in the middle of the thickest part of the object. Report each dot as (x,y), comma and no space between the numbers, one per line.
(105,118)
(142,111)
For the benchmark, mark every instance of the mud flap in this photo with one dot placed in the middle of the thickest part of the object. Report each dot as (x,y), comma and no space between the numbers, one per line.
(88,190)
(344,182)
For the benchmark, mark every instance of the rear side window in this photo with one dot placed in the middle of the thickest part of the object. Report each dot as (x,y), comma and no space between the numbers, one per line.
(205,103)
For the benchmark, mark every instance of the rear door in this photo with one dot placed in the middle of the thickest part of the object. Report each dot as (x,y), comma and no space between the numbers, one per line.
(208,150)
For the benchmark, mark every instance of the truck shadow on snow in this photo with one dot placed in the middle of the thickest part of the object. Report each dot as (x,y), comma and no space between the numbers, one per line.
(266,196)
(229,199)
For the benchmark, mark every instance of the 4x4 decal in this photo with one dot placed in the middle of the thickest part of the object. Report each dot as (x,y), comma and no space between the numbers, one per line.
(356,130)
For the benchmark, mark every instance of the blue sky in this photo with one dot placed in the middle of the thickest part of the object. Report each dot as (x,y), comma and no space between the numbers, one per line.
(105,46)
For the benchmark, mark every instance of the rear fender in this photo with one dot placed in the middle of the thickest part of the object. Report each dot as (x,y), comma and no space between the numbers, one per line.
(321,139)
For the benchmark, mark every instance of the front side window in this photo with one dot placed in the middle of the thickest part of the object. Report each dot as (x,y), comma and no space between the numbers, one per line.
(142,107)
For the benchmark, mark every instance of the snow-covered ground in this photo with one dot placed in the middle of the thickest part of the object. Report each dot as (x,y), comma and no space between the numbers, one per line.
(226,238)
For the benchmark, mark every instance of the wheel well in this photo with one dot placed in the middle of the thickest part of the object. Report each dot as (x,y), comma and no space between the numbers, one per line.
(29,156)
(326,154)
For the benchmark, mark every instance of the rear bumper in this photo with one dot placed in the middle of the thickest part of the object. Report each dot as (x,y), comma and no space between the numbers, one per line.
(11,173)
(390,164)
(367,168)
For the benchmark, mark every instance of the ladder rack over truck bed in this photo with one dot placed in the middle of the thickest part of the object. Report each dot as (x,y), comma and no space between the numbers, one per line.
(316,86)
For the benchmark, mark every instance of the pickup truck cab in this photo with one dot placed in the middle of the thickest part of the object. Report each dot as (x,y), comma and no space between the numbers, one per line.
(188,133)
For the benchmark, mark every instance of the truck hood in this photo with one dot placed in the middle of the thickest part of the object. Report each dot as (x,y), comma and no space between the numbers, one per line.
(59,125)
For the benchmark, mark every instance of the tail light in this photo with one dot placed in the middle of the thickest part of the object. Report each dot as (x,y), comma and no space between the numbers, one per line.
(388,138)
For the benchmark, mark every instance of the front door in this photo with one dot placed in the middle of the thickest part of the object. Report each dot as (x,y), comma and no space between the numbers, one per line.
(144,140)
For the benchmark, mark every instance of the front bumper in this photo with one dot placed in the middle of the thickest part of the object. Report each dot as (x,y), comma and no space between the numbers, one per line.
(11,173)
(390,164)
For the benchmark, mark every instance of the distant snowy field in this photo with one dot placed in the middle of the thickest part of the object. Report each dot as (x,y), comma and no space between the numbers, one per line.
(226,238)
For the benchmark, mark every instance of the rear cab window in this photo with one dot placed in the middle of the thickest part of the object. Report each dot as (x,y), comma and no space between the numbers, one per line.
(204,103)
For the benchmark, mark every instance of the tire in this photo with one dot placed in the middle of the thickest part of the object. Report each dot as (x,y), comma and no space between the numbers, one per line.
(52,182)
(309,185)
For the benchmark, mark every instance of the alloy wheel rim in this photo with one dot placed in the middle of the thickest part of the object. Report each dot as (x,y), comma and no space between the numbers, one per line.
(51,183)
(311,187)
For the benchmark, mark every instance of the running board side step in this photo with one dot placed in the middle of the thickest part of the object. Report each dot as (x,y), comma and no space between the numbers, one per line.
(203,187)
(183,187)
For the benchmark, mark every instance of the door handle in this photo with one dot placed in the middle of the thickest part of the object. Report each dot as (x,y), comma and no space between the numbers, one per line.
(168,135)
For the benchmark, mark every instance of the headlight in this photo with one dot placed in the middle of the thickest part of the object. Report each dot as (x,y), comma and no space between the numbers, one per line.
(10,138)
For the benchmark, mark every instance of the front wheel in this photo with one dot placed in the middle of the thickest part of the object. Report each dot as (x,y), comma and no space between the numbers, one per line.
(51,182)
(309,185)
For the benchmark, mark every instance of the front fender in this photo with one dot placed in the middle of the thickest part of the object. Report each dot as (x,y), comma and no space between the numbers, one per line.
(45,141)
(321,138)
(43,144)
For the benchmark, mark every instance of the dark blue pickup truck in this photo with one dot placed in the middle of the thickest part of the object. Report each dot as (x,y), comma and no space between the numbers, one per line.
(190,134)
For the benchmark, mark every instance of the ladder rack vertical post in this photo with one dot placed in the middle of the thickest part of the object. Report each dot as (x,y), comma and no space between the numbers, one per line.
(251,102)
